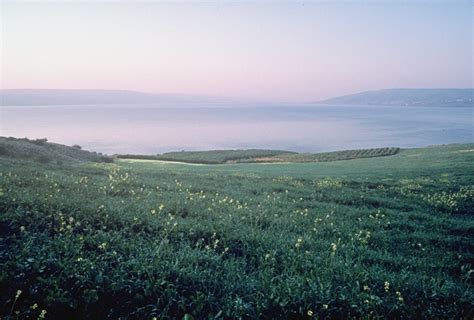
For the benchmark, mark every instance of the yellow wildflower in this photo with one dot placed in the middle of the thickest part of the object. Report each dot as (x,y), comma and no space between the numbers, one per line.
(42,314)
(298,242)
(399,296)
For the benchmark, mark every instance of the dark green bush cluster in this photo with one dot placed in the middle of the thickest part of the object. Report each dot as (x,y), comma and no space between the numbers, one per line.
(137,156)
(39,142)
(43,159)
(208,157)
(218,156)
(339,155)
(3,150)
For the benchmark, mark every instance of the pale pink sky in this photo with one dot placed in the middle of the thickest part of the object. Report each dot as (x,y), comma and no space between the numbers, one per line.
(286,51)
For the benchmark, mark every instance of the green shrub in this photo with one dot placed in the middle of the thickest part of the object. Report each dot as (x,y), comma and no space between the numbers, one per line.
(39,142)
(106,159)
(43,159)
(3,150)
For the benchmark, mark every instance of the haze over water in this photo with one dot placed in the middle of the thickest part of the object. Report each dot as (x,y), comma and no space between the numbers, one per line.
(282,51)
(157,129)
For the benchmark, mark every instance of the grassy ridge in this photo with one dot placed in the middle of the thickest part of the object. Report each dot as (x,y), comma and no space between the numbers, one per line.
(209,157)
(386,237)
(40,150)
(329,156)
(266,156)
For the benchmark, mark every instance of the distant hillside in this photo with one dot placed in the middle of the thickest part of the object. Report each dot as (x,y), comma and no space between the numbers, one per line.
(16,97)
(40,150)
(408,97)
(262,156)
(209,157)
(330,156)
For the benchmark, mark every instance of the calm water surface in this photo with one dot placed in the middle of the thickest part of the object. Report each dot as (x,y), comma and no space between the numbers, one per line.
(153,129)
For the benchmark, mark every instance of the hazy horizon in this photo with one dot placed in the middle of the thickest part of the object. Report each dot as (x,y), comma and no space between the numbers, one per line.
(284,51)
(210,66)
(77,96)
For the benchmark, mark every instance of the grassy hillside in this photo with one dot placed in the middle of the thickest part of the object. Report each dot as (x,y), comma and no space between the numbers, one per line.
(328,156)
(385,237)
(40,150)
(264,156)
(210,157)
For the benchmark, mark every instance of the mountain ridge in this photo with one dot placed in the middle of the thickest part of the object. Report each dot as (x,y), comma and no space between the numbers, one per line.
(25,97)
(443,97)
(440,97)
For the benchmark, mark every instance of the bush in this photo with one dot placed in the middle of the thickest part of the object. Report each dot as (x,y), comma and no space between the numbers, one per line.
(76,146)
(106,159)
(38,142)
(43,159)
(3,151)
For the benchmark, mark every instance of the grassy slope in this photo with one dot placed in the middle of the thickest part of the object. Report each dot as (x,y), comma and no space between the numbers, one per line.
(261,155)
(429,161)
(329,156)
(381,237)
(210,157)
(41,151)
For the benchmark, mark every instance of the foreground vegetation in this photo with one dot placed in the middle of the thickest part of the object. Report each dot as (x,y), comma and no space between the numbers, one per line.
(261,155)
(385,237)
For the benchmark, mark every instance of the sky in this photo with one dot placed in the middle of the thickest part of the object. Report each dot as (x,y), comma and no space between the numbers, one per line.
(292,51)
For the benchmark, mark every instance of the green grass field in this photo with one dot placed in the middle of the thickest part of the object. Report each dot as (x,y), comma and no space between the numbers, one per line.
(261,156)
(208,157)
(376,238)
